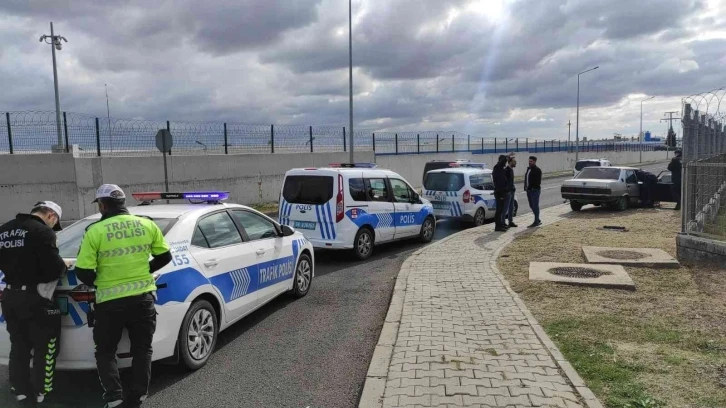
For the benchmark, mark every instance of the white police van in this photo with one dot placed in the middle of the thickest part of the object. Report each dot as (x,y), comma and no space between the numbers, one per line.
(462,193)
(354,206)
(227,261)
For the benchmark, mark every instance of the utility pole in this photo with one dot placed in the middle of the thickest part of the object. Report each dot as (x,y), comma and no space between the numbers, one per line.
(55,43)
(670,120)
(108,116)
(569,125)
(350,71)
(577,120)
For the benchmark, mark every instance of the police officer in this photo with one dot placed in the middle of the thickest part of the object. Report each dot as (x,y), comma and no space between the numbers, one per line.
(114,257)
(31,263)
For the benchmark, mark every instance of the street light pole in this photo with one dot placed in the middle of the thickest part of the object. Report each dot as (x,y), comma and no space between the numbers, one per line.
(640,135)
(350,72)
(577,120)
(55,42)
(569,126)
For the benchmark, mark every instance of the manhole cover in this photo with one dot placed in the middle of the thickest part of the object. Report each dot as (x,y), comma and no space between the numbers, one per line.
(577,272)
(625,255)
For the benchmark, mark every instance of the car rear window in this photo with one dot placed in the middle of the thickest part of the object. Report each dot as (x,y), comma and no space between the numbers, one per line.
(69,240)
(308,189)
(599,173)
(582,164)
(435,166)
(444,181)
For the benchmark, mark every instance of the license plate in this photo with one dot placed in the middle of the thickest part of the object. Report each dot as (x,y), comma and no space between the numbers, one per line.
(62,304)
(307,225)
(440,198)
(441,206)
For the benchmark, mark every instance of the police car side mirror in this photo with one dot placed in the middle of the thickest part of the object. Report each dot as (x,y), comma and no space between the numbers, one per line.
(286,231)
(415,198)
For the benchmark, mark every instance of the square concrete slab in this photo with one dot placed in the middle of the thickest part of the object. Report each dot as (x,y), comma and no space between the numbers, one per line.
(651,257)
(606,276)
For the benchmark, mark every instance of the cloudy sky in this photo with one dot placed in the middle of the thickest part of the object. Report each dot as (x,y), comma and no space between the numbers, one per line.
(484,67)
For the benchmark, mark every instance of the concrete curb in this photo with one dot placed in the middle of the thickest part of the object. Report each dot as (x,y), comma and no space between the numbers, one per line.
(375,383)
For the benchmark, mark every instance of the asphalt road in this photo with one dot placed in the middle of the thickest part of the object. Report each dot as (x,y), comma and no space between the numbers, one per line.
(312,352)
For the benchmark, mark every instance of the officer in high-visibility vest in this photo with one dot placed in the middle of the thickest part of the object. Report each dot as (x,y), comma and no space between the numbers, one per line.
(114,257)
(31,263)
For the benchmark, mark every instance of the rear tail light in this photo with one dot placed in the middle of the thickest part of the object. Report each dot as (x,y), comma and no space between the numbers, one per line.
(339,202)
(83,293)
(467,196)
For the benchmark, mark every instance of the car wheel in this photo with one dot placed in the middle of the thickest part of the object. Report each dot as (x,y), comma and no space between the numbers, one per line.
(479,217)
(363,245)
(622,204)
(198,335)
(427,230)
(575,206)
(303,276)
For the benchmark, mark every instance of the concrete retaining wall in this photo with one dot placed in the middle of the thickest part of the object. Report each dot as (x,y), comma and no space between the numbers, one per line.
(251,179)
(695,250)
(411,166)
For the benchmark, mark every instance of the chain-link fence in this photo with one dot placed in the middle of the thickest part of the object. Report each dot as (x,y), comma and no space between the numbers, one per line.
(36,132)
(704,173)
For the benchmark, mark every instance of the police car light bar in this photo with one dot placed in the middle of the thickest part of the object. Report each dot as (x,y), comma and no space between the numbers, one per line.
(190,195)
(354,165)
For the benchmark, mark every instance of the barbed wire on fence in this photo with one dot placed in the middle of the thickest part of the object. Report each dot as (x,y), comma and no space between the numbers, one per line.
(713,101)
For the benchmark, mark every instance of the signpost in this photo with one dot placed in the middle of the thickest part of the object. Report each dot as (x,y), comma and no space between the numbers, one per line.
(164,143)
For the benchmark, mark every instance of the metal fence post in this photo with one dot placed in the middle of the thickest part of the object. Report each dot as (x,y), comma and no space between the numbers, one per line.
(345,149)
(98,140)
(495,145)
(452,144)
(418,143)
(272,138)
(437,143)
(526,144)
(168,127)
(559,146)
(516,144)
(65,131)
(374,143)
(482,145)
(226,144)
(506,144)
(311,140)
(396,143)
(10,133)
(468,143)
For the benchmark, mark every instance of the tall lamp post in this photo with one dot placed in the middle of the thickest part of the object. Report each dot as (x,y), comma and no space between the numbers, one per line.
(640,135)
(577,120)
(55,43)
(350,72)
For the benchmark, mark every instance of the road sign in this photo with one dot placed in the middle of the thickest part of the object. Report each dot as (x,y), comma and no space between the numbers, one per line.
(164,141)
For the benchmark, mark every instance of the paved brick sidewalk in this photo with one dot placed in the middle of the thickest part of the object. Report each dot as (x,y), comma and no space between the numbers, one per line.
(456,335)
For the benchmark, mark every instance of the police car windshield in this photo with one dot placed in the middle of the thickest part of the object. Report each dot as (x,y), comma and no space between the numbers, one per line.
(600,173)
(69,240)
(444,181)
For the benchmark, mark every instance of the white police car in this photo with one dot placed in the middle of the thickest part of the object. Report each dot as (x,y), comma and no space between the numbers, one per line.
(354,206)
(228,260)
(462,193)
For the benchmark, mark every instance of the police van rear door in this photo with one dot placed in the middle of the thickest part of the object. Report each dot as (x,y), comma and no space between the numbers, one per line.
(307,202)
(445,189)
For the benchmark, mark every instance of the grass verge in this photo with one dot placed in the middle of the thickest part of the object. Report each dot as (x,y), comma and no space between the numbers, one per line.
(663,345)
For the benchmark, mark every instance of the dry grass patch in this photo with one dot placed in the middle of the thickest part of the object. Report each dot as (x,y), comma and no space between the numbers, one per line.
(665,341)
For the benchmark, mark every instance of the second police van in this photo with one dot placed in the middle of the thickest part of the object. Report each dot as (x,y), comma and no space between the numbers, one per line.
(354,206)
(463,193)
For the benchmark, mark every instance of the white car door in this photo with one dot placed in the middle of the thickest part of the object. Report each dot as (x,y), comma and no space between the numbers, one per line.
(228,262)
(275,258)
(381,207)
(406,217)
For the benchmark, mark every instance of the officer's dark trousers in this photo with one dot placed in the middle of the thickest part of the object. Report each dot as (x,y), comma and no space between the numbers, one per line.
(137,315)
(501,199)
(33,323)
